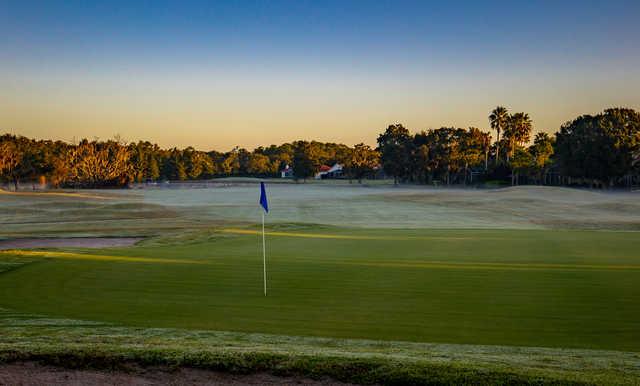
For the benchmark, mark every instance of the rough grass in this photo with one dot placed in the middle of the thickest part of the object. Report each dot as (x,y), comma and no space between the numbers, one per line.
(78,344)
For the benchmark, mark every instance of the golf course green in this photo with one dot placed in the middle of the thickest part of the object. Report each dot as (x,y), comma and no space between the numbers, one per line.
(543,288)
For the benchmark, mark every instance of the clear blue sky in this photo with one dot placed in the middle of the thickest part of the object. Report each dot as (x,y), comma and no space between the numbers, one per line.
(215,74)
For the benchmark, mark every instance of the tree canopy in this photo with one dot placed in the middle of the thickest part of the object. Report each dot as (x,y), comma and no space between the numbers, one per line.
(597,150)
(600,147)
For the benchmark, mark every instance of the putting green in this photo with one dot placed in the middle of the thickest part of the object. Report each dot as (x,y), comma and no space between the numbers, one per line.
(530,288)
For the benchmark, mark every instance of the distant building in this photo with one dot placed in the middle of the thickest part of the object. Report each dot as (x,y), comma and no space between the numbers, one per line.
(378,173)
(322,171)
(325,172)
(287,172)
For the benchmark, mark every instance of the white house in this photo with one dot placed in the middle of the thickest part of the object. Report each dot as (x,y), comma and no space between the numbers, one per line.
(287,172)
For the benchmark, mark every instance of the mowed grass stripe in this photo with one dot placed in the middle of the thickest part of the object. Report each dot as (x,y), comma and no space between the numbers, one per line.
(499,266)
(381,264)
(338,237)
(87,256)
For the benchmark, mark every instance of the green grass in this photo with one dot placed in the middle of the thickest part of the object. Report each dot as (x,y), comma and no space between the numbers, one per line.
(499,306)
(79,344)
(571,289)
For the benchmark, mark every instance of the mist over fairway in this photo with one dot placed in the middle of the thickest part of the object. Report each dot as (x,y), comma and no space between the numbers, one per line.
(153,210)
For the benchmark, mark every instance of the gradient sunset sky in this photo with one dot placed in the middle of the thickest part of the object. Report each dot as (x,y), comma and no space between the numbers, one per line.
(215,74)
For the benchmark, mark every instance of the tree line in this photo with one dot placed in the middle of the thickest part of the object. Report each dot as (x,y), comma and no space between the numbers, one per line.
(597,150)
(600,150)
(114,163)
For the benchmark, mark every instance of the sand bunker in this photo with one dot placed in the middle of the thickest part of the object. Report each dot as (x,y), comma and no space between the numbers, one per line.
(73,242)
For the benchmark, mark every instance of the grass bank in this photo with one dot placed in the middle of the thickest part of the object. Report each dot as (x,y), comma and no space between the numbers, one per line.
(81,344)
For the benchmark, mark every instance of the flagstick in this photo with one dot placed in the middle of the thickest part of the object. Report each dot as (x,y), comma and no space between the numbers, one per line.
(264,258)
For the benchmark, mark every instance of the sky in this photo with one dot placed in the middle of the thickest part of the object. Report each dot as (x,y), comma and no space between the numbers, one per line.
(216,74)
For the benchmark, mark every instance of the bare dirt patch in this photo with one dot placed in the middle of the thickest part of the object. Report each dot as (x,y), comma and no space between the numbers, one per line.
(31,373)
(71,242)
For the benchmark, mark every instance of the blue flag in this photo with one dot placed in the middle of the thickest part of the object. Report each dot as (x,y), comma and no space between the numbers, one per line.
(263,198)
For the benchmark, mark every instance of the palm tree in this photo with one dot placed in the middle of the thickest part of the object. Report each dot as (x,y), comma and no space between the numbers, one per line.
(518,131)
(498,120)
(486,147)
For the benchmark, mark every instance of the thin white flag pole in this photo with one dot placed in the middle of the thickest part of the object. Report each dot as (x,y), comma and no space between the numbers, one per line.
(264,258)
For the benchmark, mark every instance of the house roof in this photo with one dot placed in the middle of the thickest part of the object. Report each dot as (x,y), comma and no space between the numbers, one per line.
(335,168)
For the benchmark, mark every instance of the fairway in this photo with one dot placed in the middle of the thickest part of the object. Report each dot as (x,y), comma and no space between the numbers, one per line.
(551,288)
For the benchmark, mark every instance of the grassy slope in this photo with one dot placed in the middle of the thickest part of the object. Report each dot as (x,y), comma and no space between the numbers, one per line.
(74,343)
(528,288)
(145,212)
